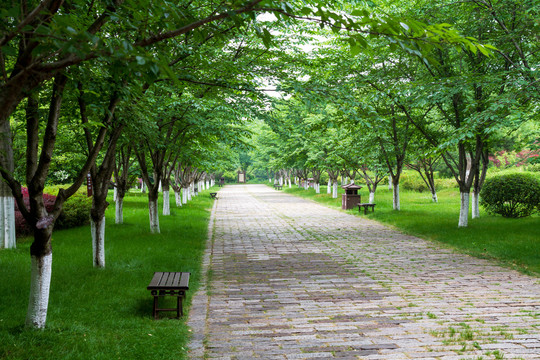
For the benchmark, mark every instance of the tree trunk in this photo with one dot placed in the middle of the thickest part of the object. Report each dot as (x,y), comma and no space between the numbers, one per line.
(178,198)
(143,187)
(119,209)
(166,203)
(7,201)
(7,218)
(97,228)
(153,213)
(335,189)
(317,188)
(395,196)
(475,205)
(185,193)
(434,197)
(389,182)
(115,193)
(40,281)
(464,210)
(290,185)
(329,187)
(166,199)
(372,197)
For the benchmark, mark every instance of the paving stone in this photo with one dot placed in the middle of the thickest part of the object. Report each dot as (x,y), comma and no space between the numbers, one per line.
(294,279)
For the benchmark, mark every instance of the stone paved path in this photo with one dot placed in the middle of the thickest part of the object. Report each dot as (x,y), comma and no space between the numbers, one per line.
(290,279)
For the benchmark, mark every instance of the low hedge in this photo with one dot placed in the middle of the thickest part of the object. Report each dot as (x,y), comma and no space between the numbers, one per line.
(511,195)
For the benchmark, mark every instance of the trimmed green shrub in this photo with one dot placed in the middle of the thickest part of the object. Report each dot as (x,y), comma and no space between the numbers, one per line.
(412,181)
(76,212)
(512,195)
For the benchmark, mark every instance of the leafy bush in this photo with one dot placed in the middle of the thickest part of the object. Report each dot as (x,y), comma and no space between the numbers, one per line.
(412,181)
(512,195)
(445,184)
(76,212)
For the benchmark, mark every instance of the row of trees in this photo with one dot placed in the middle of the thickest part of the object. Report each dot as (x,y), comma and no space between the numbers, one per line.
(163,82)
(382,111)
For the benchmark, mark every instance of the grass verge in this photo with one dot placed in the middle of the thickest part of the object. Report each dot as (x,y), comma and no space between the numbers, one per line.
(514,243)
(106,313)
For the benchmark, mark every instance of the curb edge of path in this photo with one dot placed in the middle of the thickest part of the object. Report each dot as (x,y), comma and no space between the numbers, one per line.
(200,301)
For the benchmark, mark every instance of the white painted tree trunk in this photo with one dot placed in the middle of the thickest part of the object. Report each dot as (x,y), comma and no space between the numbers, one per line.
(185,192)
(115,194)
(166,203)
(119,211)
(317,188)
(372,197)
(160,188)
(290,185)
(270,180)
(475,205)
(154,217)
(329,187)
(143,187)
(40,284)
(178,198)
(389,182)
(334,190)
(97,230)
(281,180)
(434,197)
(395,197)
(306,185)
(207,184)
(7,222)
(190,192)
(464,210)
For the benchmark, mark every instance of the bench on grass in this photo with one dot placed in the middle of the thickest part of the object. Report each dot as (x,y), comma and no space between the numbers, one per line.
(169,284)
(278,187)
(366,206)
(213,195)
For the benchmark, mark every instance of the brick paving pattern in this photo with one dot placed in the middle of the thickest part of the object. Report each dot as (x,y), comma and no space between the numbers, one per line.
(291,279)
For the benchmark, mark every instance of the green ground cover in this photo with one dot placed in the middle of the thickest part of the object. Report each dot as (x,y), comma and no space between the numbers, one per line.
(512,242)
(106,313)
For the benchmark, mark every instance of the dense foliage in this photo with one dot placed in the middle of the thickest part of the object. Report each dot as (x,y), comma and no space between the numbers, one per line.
(512,195)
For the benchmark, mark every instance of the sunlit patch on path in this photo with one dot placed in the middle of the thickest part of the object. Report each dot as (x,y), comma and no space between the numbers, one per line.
(291,279)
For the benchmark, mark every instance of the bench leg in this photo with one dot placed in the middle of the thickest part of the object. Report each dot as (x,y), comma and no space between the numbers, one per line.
(156,307)
(179,309)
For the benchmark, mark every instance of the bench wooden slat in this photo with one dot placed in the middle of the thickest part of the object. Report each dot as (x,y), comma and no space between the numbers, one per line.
(169,281)
(156,279)
(184,281)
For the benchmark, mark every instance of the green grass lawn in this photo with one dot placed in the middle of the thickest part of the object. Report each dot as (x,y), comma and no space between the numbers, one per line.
(106,313)
(512,242)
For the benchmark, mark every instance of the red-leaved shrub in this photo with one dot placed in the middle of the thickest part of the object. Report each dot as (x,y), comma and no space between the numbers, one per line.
(21,226)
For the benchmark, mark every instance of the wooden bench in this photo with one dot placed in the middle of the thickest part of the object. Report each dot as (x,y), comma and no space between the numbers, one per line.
(169,284)
(278,187)
(366,206)
(213,195)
